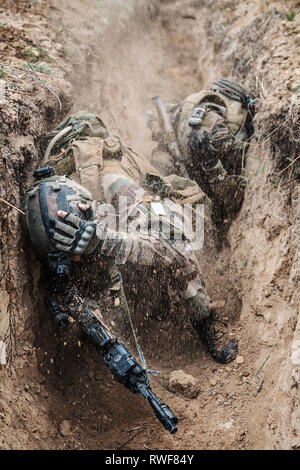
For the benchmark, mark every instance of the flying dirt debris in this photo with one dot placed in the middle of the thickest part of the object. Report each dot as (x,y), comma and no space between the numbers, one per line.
(67,221)
(139,226)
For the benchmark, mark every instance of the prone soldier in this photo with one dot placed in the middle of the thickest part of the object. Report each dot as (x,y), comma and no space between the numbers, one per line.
(91,171)
(212,129)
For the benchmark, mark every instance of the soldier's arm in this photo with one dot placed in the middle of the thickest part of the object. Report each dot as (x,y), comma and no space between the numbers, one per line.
(136,247)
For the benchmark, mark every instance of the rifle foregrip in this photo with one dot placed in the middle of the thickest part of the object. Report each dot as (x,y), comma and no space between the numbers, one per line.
(126,370)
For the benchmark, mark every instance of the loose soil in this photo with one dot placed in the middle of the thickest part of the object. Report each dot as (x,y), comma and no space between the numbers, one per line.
(111,57)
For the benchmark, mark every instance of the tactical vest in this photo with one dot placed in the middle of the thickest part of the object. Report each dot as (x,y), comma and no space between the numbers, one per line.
(87,159)
(213,128)
(212,125)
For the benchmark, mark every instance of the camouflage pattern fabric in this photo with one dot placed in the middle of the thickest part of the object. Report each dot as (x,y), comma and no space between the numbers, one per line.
(72,128)
(220,119)
(114,172)
(213,129)
(155,250)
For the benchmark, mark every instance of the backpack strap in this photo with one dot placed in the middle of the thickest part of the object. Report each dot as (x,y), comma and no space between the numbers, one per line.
(53,141)
(77,126)
(234,91)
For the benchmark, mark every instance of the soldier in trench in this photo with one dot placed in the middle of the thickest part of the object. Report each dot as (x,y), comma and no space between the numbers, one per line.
(213,129)
(90,171)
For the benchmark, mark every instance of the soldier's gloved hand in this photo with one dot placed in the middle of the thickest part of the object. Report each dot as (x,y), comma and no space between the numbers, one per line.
(71,233)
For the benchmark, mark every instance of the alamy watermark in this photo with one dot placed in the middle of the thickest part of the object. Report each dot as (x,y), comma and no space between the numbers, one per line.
(156,219)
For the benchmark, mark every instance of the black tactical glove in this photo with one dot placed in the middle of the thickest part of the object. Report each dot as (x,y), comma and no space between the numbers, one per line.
(72,234)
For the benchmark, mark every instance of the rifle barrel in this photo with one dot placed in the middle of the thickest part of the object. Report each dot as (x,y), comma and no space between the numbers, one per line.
(167,128)
(161,410)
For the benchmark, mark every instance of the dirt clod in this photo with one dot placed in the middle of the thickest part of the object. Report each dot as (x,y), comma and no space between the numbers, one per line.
(65,428)
(239,360)
(184,383)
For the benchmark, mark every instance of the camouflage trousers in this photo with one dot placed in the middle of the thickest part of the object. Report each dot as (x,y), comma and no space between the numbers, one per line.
(137,246)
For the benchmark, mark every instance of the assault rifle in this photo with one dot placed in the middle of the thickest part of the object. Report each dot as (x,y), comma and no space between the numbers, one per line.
(168,131)
(121,363)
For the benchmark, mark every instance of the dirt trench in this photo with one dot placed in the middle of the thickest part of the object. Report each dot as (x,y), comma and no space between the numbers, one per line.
(111,57)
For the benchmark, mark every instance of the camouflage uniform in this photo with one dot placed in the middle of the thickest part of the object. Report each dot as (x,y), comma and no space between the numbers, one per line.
(213,129)
(149,250)
(111,171)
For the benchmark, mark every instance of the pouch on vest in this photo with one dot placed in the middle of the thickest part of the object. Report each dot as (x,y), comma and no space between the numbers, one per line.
(87,156)
(84,161)
(212,124)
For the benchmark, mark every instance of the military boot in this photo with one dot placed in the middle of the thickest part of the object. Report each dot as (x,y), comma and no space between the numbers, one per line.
(210,328)
(213,334)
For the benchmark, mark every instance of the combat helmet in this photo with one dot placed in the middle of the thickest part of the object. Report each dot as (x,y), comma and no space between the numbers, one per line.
(42,201)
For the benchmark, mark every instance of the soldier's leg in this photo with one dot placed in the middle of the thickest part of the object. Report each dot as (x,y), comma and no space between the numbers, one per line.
(211,330)
(159,253)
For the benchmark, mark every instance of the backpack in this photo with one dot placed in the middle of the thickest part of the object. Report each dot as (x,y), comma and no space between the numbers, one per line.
(81,147)
(74,127)
(213,127)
